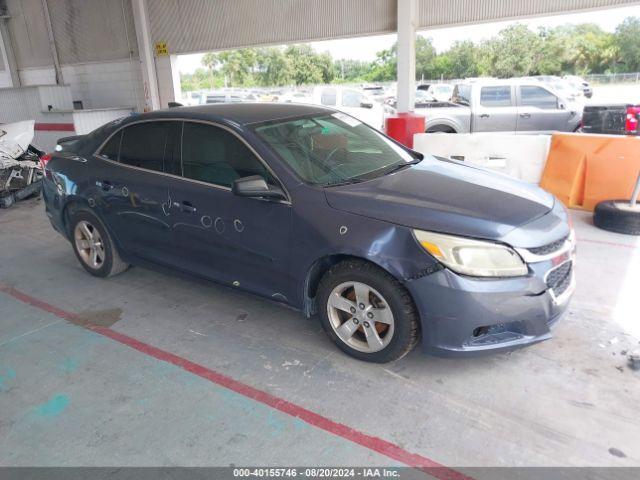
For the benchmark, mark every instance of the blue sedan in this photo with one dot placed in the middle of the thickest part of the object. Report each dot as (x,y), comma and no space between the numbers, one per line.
(310,207)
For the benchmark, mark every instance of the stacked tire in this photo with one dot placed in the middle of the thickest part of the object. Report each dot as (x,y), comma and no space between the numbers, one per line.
(618,216)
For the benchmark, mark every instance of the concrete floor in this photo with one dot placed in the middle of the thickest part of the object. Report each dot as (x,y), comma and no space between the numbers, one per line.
(69,396)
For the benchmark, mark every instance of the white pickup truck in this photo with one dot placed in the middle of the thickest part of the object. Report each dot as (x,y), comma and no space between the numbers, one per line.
(505,106)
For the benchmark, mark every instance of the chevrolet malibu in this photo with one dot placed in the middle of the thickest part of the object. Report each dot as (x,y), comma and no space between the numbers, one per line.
(310,207)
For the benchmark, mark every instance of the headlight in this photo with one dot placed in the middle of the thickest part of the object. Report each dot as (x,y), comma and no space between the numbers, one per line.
(472,257)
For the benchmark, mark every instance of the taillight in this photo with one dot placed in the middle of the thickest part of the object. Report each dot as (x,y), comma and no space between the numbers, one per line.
(631,123)
(44,159)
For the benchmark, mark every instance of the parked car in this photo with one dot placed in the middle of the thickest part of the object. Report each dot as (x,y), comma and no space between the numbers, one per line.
(310,207)
(612,119)
(580,84)
(351,101)
(441,91)
(508,106)
(296,97)
(222,97)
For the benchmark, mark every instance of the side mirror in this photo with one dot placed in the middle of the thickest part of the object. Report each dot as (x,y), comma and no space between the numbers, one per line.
(562,106)
(366,105)
(256,186)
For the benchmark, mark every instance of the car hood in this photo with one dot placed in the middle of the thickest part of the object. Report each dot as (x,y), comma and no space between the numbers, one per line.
(445,196)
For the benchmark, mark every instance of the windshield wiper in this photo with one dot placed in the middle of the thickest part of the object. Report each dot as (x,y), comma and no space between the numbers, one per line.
(348,181)
(400,166)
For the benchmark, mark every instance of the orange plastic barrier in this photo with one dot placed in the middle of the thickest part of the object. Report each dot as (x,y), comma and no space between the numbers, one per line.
(582,170)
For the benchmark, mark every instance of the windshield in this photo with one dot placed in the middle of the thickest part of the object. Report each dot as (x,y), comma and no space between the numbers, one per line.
(333,149)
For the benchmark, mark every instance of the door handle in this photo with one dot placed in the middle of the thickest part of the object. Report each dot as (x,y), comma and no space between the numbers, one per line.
(525,115)
(104,185)
(187,207)
(484,115)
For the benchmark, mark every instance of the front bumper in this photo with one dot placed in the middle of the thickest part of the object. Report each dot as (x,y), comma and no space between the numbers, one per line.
(465,316)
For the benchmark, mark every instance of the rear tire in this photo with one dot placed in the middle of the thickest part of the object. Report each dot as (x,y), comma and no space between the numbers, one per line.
(93,245)
(617,216)
(367,313)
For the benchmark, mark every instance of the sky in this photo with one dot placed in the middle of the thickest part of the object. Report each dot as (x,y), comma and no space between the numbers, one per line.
(365,48)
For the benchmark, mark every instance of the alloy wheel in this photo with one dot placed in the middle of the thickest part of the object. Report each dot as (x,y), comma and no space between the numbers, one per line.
(360,316)
(89,244)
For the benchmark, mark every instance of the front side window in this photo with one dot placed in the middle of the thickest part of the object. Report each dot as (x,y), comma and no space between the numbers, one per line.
(144,145)
(495,96)
(538,97)
(333,148)
(213,155)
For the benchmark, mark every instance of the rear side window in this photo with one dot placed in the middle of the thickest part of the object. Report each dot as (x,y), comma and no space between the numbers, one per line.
(144,145)
(213,155)
(462,94)
(537,97)
(112,148)
(495,96)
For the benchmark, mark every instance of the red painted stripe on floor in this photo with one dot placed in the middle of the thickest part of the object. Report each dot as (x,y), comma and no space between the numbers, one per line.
(375,444)
(612,244)
(54,127)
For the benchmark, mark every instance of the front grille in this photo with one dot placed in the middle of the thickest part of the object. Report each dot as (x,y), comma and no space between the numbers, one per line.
(559,278)
(548,248)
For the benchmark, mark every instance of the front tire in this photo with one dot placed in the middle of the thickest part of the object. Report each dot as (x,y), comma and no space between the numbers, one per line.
(93,245)
(367,313)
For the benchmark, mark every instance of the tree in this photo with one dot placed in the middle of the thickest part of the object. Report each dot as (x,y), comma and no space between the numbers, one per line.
(274,67)
(425,55)
(512,53)
(305,67)
(627,40)
(594,50)
(211,61)
(463,60)
(385,66)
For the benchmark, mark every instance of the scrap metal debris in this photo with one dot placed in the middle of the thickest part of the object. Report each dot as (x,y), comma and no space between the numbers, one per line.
(20,166)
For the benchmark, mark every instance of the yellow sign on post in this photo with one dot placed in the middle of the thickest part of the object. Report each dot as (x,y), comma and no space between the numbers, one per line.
(161,49)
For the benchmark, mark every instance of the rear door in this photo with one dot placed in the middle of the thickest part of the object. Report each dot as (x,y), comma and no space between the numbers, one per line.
(541,111)
(238,241)
(495,110)
(132,189)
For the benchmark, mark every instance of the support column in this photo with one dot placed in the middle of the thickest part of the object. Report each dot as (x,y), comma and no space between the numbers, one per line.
(151,99)
(407,12)
(405,124)
(52,44)
(168,79)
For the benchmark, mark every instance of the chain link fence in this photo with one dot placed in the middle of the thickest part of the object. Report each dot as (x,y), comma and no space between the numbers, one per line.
(612,78)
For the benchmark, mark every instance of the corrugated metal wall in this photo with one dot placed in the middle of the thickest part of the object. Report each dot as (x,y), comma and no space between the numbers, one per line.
(96,30)
(436,13)
(84,30)
(28,33)
(93,30)
(201,25)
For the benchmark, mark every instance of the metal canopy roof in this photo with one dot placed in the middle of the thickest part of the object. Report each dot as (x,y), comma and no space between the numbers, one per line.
(102,30)
(189,26)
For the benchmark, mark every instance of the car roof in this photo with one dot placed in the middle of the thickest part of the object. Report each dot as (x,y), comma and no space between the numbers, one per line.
(239,113)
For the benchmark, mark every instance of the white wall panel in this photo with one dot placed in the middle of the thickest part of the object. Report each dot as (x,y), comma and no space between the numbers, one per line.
(86,121)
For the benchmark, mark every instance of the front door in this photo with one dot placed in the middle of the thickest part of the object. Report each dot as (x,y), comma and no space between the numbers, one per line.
(238,241)
(132,191)
(540,111)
